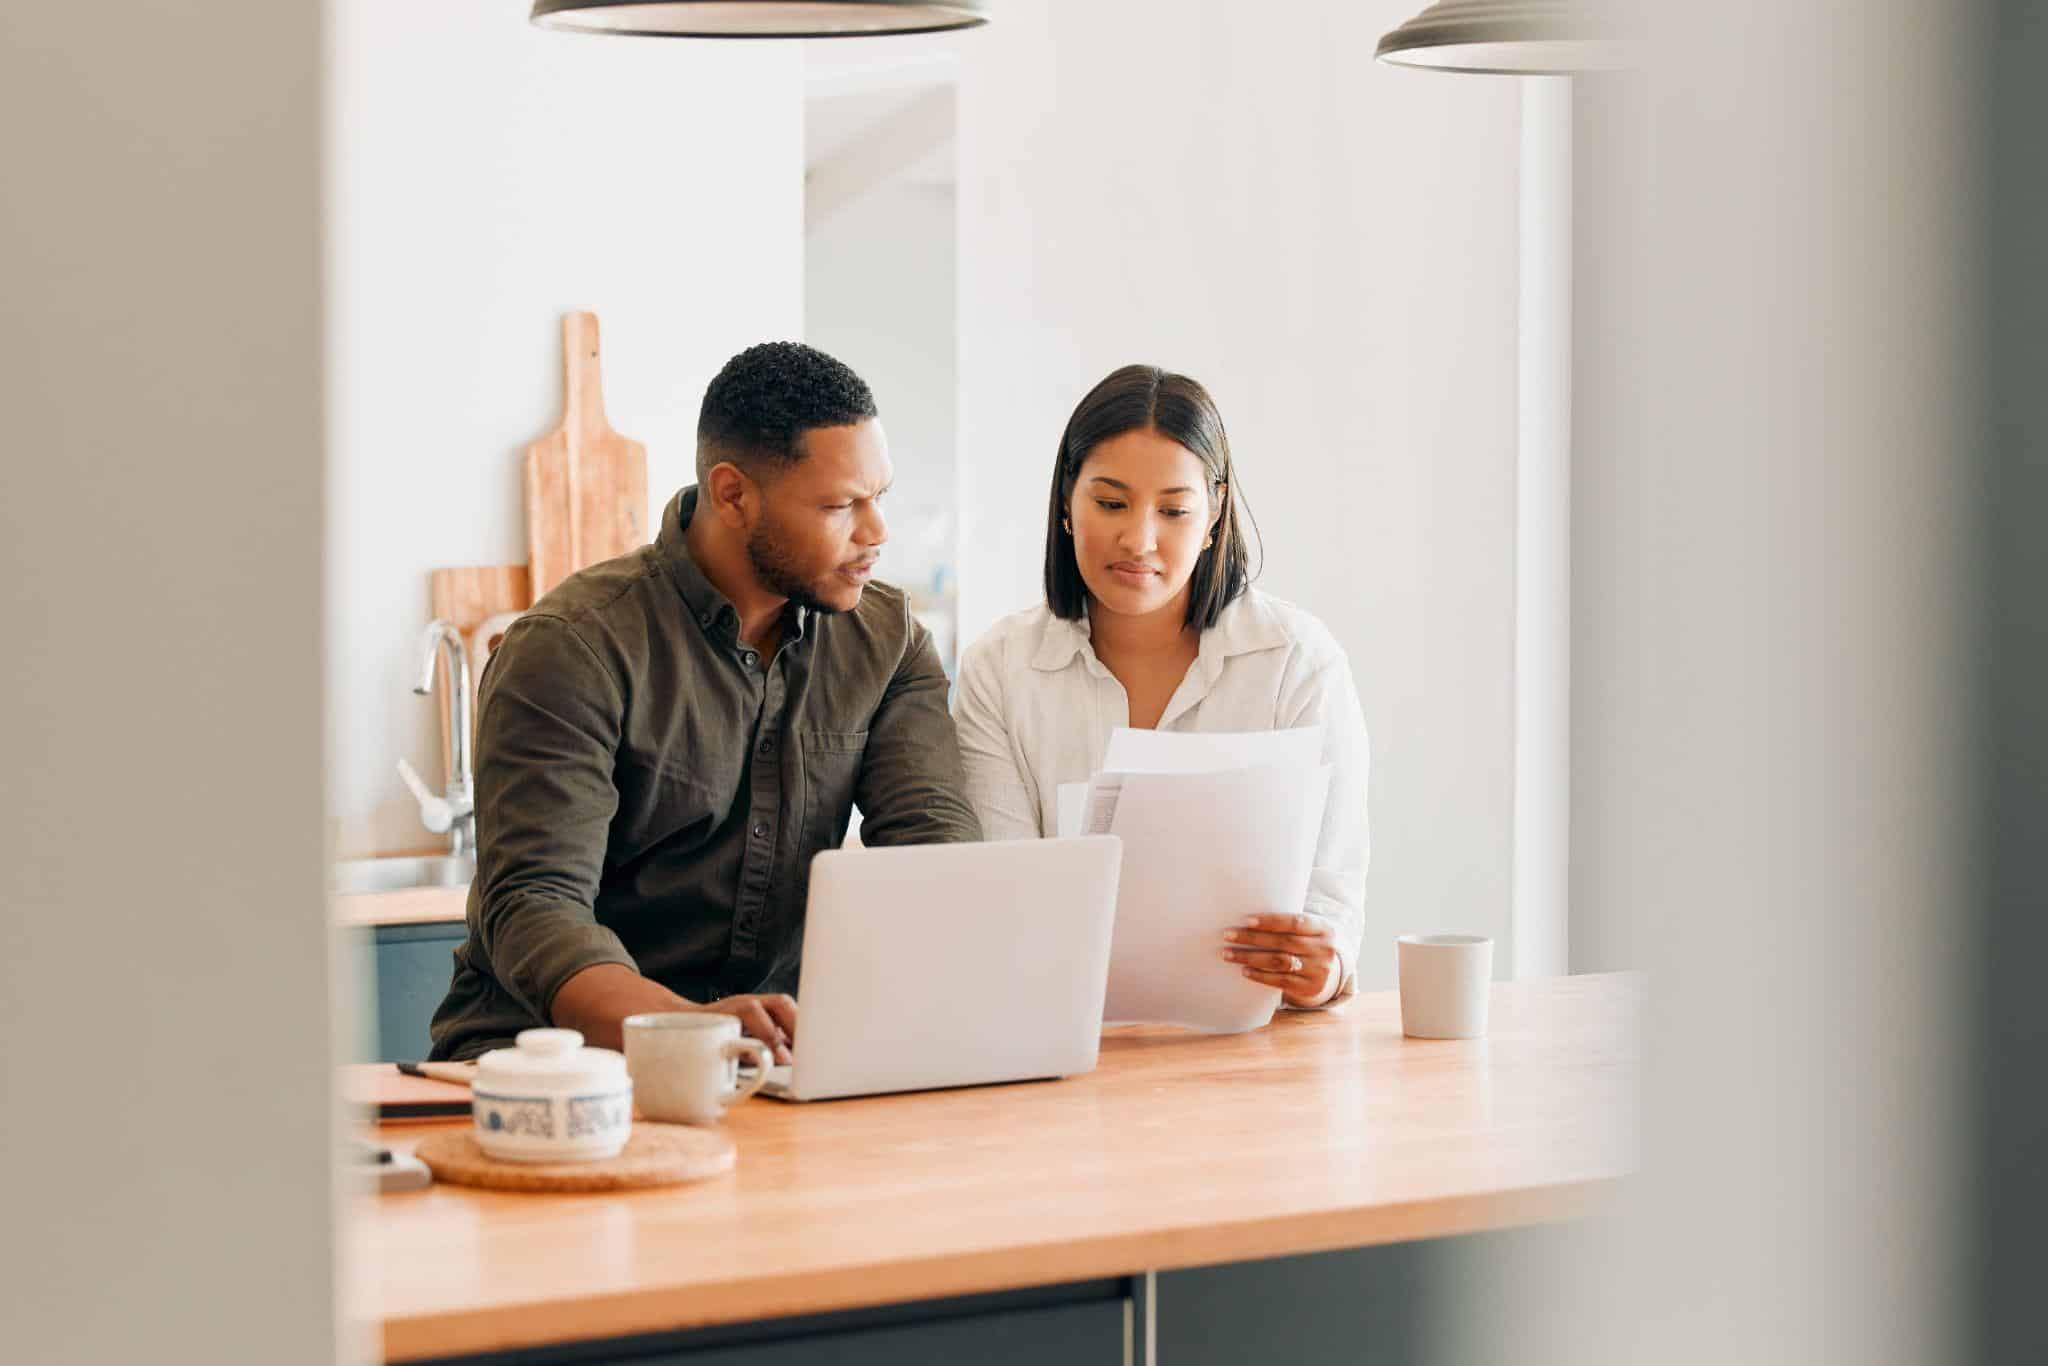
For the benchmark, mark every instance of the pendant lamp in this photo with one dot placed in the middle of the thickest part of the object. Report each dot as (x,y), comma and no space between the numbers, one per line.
(1512,38)
(758,18)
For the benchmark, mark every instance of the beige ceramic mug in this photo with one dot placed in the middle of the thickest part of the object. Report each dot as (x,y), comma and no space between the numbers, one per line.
(686,1066)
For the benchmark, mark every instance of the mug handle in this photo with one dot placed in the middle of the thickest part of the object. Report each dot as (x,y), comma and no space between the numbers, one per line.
(756,1052)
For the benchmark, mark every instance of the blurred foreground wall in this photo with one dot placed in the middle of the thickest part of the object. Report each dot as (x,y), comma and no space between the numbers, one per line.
(1811,691)
(167,1193)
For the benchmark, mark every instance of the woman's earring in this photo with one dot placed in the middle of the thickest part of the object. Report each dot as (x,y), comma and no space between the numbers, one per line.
(1066,526)
(1209,540)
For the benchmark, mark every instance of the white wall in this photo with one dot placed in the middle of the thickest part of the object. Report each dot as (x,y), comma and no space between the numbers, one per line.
(880,295)
(1330,246)
(167,1188)
(487,177)
(1616,525)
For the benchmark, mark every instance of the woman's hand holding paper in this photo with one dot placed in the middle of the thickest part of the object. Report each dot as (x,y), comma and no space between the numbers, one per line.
(1294,952)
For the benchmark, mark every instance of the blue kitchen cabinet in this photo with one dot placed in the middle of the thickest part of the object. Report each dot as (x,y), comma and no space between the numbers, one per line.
(1083,1324)
(1393,1305)
(409,967)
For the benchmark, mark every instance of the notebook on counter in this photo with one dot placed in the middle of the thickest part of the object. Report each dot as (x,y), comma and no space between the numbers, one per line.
(391,1097)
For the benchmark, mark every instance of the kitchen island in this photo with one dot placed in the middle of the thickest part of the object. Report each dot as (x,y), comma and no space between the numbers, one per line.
(1049,1220)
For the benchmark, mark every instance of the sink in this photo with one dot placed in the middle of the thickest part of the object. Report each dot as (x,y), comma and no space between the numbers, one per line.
(357,877)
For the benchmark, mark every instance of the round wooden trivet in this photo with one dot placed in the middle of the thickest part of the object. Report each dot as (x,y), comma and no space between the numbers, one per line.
(655,1155)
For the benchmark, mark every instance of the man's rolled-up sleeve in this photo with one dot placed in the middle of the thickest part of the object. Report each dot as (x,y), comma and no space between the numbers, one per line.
(911,789)
(548,726)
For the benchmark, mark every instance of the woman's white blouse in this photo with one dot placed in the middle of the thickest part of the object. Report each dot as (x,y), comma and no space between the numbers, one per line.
(1035,708)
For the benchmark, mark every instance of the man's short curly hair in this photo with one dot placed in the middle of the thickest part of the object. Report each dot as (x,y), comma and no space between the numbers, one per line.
(766,398)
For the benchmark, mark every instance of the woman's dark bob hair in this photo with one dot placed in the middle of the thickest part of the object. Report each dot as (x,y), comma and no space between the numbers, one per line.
(1142,398)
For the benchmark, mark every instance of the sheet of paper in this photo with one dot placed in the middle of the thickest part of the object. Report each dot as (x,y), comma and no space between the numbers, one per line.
(1088,808)
(1073,800)
(1098,817)
(1201,852)
(1176,751)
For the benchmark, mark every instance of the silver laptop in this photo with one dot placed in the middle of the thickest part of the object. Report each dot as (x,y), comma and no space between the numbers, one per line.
(952,965)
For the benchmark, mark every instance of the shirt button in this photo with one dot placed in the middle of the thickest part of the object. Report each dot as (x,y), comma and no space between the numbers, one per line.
(751,658)
(767,746)
(760,830)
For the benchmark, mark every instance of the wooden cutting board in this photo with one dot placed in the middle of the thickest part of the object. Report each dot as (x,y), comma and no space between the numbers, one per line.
(465,599)
(586,486)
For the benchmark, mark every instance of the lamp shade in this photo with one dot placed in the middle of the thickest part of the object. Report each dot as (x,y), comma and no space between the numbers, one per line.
(1512,38)
(758,18)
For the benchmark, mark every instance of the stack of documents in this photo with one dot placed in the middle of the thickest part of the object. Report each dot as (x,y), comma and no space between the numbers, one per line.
(1215,828)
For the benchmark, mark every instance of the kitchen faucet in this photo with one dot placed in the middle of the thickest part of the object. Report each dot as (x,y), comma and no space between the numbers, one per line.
(455,812)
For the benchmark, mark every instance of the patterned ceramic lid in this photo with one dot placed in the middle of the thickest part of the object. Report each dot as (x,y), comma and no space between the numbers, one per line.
(551,1060)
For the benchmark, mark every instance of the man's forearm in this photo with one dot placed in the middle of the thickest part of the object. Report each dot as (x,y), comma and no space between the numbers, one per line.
(596,1001)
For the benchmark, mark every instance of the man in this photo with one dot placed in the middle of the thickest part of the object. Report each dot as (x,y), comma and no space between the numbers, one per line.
(666,739)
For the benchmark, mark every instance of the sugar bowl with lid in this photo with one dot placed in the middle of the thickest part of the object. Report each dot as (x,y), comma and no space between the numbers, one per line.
(550,1099)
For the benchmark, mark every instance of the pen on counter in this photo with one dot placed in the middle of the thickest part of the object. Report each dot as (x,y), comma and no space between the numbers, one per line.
(461,1073)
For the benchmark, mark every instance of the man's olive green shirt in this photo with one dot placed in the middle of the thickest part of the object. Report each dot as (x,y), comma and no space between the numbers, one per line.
(650,790)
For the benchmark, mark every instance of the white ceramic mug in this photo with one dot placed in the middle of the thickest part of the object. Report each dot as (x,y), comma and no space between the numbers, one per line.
(686,1066)
(1445,984)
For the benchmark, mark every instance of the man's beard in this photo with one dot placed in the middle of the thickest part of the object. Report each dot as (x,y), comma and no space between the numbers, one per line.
(776,570)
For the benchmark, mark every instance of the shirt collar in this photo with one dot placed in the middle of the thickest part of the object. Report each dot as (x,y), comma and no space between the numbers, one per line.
(713,610)
(1246,625)
(1059,641)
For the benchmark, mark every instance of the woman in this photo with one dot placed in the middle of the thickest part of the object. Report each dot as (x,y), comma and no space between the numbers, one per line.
(1150,621)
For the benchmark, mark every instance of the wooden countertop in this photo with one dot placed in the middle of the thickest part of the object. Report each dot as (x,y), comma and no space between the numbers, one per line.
(409,906)
(1324,1130)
